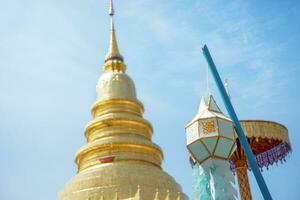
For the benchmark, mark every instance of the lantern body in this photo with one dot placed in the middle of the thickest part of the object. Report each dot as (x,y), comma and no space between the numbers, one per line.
(210,134)
(211,141)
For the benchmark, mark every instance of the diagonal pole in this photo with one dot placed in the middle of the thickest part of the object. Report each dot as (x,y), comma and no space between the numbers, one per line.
(253,164)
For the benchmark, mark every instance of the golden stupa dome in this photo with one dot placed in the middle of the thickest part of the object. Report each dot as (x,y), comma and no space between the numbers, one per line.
(115,85)
(119,161)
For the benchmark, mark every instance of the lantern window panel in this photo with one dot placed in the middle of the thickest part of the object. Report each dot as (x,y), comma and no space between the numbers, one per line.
(224,147)
(210,143)
(226,128)
(198,151)
(192,132)
(208,128)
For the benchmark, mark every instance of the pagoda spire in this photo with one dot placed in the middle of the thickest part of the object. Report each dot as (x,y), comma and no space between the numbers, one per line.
(113,51)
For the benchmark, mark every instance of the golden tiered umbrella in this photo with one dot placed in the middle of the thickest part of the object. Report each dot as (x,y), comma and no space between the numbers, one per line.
(270,144)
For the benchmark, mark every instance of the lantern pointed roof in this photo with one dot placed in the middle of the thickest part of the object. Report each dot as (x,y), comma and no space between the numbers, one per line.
(212,105)
(209,109)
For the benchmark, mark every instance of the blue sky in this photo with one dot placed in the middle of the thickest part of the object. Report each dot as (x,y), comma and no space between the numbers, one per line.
(51,55)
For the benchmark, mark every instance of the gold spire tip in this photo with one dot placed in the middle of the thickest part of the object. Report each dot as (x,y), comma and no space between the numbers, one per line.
(113,53)
(111,11)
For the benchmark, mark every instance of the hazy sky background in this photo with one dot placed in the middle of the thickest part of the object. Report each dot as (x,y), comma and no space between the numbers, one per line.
(51,55)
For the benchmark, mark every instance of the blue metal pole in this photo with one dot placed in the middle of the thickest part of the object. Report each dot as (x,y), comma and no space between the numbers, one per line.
(244,142)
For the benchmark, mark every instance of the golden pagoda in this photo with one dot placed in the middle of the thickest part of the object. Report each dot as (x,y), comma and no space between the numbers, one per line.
(119,161)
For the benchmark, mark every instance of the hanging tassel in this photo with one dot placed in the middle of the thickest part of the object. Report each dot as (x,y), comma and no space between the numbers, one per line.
(215,181)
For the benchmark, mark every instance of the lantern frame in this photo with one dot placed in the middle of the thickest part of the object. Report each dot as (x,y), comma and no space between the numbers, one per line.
(216,134)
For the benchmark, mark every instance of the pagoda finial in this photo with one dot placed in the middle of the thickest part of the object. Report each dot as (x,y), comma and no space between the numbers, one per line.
(179,196)
(137,195)
(116,194)
(102,196)
(156,195)
(113,52)
(168,195)
(111,8)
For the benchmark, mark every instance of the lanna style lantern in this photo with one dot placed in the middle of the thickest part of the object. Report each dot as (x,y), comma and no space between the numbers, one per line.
(211,141)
